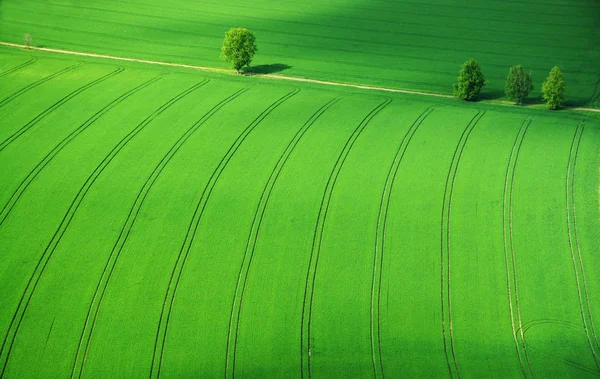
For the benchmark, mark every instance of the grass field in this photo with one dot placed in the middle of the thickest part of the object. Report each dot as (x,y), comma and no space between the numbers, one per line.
(402,44)
(159,222)
(168,222)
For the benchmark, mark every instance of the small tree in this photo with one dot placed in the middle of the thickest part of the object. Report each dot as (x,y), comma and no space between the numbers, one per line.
(27,39)
(553,89)
(239,47)
(470,81)
(518,84)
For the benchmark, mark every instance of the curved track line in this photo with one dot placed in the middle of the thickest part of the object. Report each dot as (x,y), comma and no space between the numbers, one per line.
(55,106)
(445,243)
(509,251)
(571,232)
(16,196)
(171,291)
(578,247)
(568,362)
(96,303)
(21,91)
(236,306)
(507,258)
(22,65)
(313,262)
(386,196)
(17,319)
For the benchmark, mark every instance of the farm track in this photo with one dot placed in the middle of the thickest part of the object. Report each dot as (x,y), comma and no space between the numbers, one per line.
(33,281)
(171,290)
(422,69)
(269,76)
(313,262)
(580,281)
(23,65)
(16,196)
(509,251)
(55,106)
(445,245)
(236,307)
(119,245)
(30,86)
(386,196)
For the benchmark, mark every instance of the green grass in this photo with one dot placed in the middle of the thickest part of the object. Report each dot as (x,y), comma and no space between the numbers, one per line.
(404,44)
(170,222)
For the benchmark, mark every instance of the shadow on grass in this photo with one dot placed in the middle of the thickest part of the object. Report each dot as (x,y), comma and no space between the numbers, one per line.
(491,95)
(265,69)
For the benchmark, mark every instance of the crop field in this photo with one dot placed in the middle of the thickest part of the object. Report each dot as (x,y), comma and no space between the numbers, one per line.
(164,222)
(407,44)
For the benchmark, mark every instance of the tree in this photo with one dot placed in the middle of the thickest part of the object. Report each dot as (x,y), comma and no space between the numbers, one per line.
(238,47)
(553,89)
(518,84)
(27,38)
(470,81)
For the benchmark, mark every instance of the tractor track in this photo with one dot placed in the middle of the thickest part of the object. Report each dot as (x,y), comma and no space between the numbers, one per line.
(574,245)
(311,274)
(101,287)
(509,251)
(30,86)
(22,65)
(16,196)
(236,307)
(33,281)
(445,244)
(386,196)
(55,106)
(176,274)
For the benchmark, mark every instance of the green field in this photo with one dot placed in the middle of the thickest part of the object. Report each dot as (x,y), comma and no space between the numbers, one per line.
(402,44)
(161,221)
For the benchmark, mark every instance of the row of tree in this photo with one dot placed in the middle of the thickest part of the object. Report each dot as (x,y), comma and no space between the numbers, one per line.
(239,47)
(517,86)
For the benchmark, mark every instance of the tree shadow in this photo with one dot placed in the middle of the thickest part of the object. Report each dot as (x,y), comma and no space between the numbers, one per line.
(265,69)
(491,95)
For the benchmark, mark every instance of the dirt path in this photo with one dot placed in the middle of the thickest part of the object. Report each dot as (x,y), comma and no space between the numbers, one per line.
(223,71)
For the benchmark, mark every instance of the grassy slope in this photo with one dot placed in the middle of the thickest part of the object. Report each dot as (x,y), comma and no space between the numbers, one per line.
(405,44)
(270,326)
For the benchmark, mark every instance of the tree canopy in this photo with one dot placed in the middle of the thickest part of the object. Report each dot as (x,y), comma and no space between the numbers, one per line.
(239,47)
(470,81)
(518,84)
(553,89)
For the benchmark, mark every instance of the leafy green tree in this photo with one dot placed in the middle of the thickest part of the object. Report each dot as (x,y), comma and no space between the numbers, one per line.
(470,81)
(518,84)
(553,89)
(239,47)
